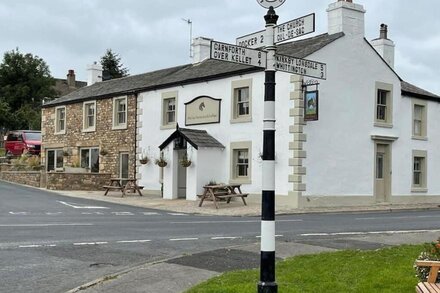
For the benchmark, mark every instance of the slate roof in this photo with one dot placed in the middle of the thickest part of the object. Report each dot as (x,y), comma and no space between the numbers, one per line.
(196,138)
(187,74)
(62,88)
(413,91)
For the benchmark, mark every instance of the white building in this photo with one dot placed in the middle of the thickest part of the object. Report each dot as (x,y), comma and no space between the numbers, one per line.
(375,140)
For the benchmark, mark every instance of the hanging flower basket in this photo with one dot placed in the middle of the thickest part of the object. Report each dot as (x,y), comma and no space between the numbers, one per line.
(144,161)
(161,162)
(185,162)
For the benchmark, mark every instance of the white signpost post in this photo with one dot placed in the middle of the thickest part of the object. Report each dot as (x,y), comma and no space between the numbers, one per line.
(244,53)
(283,32)
(237,54)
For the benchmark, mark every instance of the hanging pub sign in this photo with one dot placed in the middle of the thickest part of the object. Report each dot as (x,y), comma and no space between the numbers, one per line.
(202,110)
(311,105)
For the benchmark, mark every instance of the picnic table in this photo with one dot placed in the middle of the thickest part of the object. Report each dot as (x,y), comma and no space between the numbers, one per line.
(222,191)
(116,184)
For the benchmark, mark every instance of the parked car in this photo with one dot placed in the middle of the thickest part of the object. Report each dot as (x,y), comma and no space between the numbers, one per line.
(18,142)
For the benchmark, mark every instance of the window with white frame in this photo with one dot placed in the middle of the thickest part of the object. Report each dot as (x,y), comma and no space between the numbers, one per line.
(120,113)
(241,159)
(60,120)
(89,123)
(89,158)
(241,101)
(169,109)
(384,105)
(419,120)
(419,171)
(54,159)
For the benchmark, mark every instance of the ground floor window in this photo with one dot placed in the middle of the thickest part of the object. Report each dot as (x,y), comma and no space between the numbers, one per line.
(54,159)
(90,159)
(241,160)
(419,170)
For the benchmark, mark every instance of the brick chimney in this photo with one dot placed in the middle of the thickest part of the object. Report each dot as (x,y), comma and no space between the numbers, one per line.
(201,49)
(71,82)
(384,46)
(347,17)
(94,73)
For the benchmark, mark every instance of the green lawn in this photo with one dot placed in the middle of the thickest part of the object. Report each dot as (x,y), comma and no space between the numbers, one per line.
(384,270)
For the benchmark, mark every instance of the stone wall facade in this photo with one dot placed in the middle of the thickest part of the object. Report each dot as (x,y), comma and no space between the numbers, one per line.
(31,178)
(76,181)
(110,141)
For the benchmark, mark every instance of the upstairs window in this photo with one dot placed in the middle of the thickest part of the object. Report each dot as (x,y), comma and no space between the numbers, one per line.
(120,113)
(170,111)
(241,96)
(89,116)
(60,120)
(419,127)
(241,101)
(383,113)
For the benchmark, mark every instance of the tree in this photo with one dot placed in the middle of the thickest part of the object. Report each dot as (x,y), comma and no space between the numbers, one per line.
(24,81)
(112,66)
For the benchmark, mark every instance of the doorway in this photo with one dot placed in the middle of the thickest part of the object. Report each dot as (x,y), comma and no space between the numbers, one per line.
(181,175)
(123,167)
(382,181)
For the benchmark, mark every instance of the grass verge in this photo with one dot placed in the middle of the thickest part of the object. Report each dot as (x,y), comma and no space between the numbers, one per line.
(384,270)
(2,152)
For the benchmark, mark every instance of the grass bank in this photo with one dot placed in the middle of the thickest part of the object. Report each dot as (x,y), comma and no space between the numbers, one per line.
(385,270)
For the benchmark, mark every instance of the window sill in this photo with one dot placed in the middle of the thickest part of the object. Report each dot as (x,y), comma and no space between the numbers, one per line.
(119,127)
(419,190)
(60,133)
(89,130)
(241,120)
(240,181)
(383,124)
(424,138)
(168,126)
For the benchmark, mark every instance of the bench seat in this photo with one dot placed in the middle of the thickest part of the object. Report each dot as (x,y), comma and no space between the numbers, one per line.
(113,187)
(425,287)
(232,195)
(431,286)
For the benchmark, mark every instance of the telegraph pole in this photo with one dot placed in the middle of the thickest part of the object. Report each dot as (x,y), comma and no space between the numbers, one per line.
(267,282)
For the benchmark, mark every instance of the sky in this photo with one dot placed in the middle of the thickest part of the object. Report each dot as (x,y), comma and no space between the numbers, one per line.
(150,35)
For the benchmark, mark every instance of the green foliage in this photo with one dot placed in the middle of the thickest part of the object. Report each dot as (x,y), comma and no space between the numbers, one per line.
(2,152)
(431,251)
(24,81)
(111,65)
(384,270)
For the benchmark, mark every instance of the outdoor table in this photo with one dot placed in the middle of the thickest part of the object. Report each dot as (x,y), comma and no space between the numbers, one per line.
(219,191)
(115,184)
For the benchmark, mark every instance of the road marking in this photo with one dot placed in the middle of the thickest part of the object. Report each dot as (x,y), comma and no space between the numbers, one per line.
(276,236)
(89,243)
(370,233)
(133,241)
(47,225)
(76,206)
(397,218)
(177,214)
(221,222)
(53,213)
(19,213)
(225,238)
(30,246)
(184,239)
(150,214)
(123,213)
(92,213)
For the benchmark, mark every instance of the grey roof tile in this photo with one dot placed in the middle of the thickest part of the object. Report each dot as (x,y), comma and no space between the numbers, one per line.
(201,138)
(412,90)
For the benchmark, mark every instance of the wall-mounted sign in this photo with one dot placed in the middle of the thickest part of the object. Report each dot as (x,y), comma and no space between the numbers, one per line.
(311,106)
(202,110)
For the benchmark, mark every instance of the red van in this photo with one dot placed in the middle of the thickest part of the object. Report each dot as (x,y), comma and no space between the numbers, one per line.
(18,142)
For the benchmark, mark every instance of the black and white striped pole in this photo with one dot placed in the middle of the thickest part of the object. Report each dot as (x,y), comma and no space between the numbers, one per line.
(267,282)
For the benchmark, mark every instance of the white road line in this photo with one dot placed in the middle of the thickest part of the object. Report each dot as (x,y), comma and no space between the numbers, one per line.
(30,246)
(150,214)
(123,213)
(222,222)
(89,243)
(397,218)
(53,213)
(46,225)
(177,214)
(76,206)
(92,213)
(225,238)
(19,213)
(276,236)
(133,241)
(370,233)
(184,239)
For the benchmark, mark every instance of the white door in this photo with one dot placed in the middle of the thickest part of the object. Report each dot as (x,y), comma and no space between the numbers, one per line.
(382,173)
(181,177)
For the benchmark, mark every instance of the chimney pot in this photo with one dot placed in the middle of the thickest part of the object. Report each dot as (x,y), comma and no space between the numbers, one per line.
(383,31)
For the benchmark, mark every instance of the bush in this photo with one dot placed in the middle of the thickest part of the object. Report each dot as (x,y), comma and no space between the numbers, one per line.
(431,252)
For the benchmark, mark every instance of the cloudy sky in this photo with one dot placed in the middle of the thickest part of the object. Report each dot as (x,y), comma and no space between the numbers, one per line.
(149,35)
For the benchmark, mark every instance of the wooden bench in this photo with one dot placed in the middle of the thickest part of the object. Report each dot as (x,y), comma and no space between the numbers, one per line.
(430,286)
(112,187)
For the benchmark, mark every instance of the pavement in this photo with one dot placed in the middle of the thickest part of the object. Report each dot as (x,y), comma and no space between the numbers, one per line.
(181,273)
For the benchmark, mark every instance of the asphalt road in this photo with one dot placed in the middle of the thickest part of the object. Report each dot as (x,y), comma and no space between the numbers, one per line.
(51,243)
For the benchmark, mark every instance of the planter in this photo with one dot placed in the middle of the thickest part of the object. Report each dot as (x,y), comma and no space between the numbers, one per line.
(144,161)
(185,164)
(161,164)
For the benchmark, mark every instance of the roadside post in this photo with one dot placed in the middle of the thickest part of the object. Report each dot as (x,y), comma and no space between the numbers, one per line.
(259,49)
